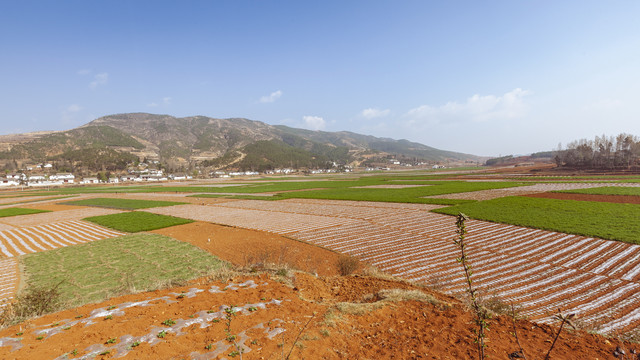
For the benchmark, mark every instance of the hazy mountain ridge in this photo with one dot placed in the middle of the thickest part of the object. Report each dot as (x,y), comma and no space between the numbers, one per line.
(217,142)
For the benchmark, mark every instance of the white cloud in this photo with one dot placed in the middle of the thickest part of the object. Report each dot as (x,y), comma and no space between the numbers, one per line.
(605,104)
(314,122)
(99,79)
(73,108)
(477,108)
(70,114)
(271,97)
(164,102)
(372,113)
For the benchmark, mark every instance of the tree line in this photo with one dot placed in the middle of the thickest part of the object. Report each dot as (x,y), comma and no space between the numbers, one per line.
(612,152)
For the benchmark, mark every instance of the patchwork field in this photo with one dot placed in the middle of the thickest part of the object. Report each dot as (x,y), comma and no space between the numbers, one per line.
(530,189)
(599,280)
(539,270)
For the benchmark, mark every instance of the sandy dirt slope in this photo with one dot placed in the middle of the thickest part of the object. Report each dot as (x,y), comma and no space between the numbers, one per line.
(270,315)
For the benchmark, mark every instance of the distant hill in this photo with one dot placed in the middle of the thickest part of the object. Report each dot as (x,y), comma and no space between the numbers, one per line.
(220,143)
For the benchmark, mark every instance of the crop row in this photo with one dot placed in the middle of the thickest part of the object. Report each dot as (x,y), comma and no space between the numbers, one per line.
(525,190)
(8,279)
(21,241)
(542,270)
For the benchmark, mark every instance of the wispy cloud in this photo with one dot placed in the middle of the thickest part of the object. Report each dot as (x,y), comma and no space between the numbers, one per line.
(271,97)
(605,104)
(99,79)
(314,122)
(165,101)
(70,113)
(372,113)
(477,108)
(73,108)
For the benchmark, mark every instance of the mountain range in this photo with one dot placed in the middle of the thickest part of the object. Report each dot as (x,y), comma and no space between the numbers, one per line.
(110,142)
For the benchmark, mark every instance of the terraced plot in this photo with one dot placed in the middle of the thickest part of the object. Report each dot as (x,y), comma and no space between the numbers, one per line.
(8,279)
(23,240)
(598,280)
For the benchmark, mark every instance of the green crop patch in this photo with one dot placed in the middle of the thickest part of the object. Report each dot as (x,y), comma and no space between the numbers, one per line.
(607,190)
(589,218)
(123,204)
(137,221)
(95,271)
(362,190)
(19,211)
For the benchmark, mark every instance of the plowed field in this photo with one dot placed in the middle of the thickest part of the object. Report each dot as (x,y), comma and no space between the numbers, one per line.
(598,280)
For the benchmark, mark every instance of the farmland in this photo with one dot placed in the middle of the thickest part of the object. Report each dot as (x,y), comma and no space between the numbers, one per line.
(540,269)
(540,253)
(137,262)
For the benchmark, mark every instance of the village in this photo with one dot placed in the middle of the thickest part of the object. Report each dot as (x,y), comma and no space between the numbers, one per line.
(45,174)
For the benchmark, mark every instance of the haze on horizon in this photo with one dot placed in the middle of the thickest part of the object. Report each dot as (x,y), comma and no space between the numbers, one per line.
(493,78)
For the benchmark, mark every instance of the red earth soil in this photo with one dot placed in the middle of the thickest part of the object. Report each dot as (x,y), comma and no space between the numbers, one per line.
(245,247)
(409,329)
(620,199)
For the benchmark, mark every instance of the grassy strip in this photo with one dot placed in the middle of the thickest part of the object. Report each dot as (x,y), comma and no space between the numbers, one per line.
(406,195)
(19,211)
(124,204)
(137,221)
(607,190)
(95,271)
(589,218)
(350,191)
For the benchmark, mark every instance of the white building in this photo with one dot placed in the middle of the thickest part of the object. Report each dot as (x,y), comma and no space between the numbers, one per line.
(65,178)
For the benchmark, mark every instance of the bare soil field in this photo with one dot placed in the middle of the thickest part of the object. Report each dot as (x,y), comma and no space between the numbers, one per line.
(253,248)
(329,317)
(56,216)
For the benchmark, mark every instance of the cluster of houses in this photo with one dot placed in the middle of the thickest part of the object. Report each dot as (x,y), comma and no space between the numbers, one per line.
(36,180)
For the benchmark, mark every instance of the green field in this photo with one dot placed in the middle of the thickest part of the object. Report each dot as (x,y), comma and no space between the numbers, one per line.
(352,190)
(588,218)
(137,221)
(19,211)
(607,190)
(95,271)
(337,188)
(123,204)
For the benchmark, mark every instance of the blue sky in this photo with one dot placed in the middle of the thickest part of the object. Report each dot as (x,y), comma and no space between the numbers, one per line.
(487,78)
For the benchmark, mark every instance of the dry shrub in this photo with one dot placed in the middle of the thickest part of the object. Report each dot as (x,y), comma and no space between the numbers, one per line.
(357,308)
(347,265)
(35,301)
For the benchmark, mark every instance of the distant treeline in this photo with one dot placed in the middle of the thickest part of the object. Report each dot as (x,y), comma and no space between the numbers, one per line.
(619,152)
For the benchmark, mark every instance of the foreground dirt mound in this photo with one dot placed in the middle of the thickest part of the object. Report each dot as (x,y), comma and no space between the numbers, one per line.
(355,317)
